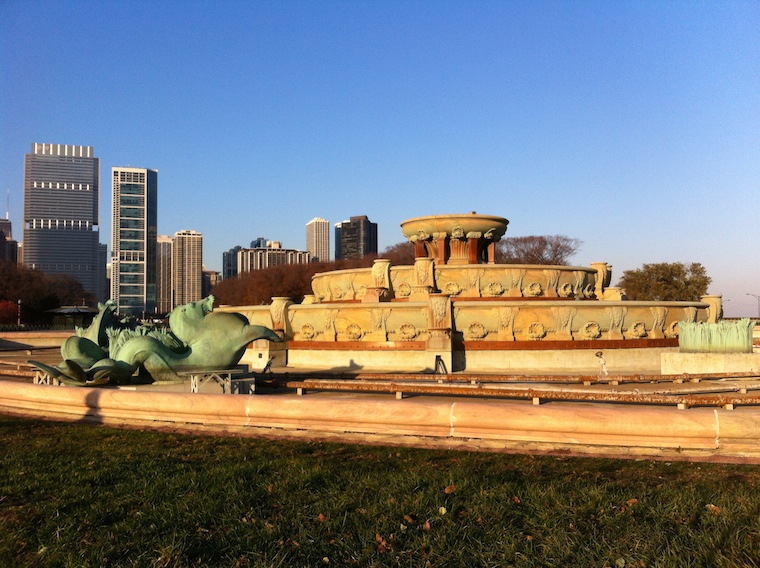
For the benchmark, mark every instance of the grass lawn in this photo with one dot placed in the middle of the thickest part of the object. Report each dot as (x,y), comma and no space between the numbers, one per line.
(82,495)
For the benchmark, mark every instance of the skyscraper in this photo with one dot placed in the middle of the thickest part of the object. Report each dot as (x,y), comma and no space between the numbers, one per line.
(133,239)
(355,238)
(187,267)
(164,245)
(61,200)
(318,239)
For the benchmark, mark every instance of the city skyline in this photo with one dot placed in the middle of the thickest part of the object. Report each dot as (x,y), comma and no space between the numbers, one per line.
(630,126)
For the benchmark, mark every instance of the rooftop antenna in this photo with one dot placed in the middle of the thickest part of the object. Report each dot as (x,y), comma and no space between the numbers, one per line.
(8,206)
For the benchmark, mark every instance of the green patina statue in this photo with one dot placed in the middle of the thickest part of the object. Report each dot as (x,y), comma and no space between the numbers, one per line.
(111,351)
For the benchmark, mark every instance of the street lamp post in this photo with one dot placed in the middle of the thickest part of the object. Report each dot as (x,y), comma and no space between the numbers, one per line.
(757,297)
(19,313)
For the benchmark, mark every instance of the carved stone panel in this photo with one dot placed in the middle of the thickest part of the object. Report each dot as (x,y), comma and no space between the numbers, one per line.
(616,315)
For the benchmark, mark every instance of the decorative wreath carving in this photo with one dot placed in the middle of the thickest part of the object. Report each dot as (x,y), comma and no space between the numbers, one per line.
(452,288)
(476,330)
(495,289)
(638,329)
(407,331)
(404,290)
(591,330)
(536,331)
(354,332)
(588,291)
(336,292)
(362,291)
(308,331)
(535,289)
(566,290)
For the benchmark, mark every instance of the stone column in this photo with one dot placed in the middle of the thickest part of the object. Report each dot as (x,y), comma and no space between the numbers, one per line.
(440,240)
(439,343)
(473,247)
(381,282)
(424,279)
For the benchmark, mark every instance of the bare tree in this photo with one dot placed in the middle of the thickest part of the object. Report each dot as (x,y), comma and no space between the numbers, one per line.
(400,254)
(537,249)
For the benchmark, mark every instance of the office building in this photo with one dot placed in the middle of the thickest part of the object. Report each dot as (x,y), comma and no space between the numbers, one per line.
(8,247)
(187,267)
(272,255)
(133,240)
(164,303)
(6,228)
(318,239)
(61,216)
(355,238)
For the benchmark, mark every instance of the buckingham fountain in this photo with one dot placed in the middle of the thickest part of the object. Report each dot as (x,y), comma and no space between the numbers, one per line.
(512,357)
(456,309)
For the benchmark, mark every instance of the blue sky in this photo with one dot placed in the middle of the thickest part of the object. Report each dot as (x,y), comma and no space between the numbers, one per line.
(633,126)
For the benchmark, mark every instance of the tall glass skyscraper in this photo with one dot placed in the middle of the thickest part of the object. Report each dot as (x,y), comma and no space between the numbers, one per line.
(133,240)
(61,201)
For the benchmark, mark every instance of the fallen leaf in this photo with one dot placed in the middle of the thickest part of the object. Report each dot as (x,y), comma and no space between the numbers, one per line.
(426,527)
(450,489)
(713,509)
(632,502)
(322,518)
(409,519)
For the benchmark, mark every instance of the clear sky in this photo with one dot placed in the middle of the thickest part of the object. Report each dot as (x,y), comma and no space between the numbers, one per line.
(633,126)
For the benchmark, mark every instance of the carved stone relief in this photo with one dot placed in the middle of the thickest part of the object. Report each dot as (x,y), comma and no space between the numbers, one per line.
(536,331)
(659,315)
(563,316)
(476,331)
(552,281)
(637,331)
(514,280)
(591,330)
(534,289)
(507,323)
(616,317)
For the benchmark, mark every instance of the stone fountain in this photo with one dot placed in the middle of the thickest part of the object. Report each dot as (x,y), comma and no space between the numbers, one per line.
(457,308)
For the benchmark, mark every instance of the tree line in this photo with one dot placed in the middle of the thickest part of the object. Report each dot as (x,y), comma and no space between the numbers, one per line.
(38,292)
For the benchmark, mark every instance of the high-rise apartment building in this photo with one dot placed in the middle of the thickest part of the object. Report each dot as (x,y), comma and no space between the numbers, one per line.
(61,201)
(164,303)
(187,267)
(229,262)
(272,255)
(318,239)
(133,240)
(355,238)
